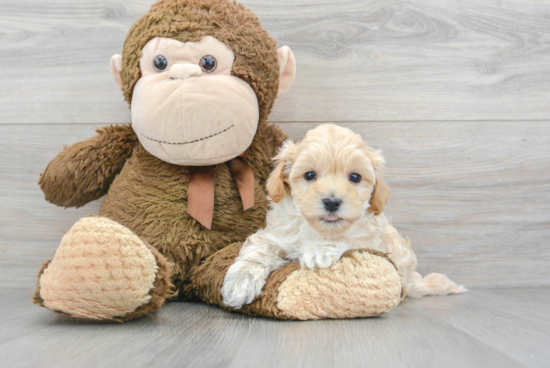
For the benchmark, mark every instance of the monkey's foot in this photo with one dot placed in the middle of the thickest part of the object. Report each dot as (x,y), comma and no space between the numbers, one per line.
(363,283)
(103,271)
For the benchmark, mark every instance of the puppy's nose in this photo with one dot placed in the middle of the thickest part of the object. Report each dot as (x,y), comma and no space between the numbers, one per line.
(332,204)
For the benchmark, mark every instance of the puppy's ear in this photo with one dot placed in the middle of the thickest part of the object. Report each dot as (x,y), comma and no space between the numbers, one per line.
(276,182)
(381,192)
(380,195)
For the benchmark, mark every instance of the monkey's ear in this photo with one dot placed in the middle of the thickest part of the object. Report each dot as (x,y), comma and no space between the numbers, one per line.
(287,69)
(116,67)
(275,184)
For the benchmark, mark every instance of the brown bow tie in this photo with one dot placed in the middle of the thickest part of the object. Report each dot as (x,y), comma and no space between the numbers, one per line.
(200,195)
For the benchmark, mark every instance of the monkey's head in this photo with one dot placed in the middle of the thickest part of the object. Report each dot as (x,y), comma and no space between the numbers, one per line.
(201,77)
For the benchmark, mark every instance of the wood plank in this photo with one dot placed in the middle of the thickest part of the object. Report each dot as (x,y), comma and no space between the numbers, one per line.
(378,60)
(473,197)
(478,329)
(519,334)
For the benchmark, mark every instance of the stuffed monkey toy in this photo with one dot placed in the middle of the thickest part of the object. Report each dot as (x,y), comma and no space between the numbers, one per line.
(185,182)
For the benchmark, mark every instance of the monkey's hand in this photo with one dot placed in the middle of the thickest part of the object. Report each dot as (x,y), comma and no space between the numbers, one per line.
(84,171)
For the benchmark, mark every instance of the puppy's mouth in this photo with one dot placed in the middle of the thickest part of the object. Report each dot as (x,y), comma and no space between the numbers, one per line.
(331,219)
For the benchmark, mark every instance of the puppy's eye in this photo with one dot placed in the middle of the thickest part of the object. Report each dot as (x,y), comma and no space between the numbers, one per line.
(355,178)
(160,63)
(310,175)
(208,63)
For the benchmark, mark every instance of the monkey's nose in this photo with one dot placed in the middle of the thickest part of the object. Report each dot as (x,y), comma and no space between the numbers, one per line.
(332,204)
(182,71)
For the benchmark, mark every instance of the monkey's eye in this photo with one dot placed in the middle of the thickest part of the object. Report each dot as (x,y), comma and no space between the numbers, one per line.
(208,63)
(160,63)
(310,175)
(355,178)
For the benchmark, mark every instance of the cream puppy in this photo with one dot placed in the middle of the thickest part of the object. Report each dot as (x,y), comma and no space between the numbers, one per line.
(327,196)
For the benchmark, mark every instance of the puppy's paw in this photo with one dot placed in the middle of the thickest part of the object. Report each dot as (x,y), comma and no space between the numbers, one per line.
(241,286)
(320,257)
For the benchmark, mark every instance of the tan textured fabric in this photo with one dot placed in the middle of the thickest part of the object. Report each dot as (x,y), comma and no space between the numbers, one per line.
(361,284)
(101,270)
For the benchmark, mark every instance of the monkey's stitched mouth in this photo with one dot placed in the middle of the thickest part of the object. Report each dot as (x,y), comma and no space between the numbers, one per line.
(193,141)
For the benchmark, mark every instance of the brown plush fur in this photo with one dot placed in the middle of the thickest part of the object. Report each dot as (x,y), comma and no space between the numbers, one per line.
(36,298)
(149,197)
(84,171)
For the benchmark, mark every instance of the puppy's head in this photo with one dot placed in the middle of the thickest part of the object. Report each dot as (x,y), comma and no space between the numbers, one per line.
(333,177)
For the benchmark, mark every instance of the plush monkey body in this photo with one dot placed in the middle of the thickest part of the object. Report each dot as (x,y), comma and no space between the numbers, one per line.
(149,197)
(194,65)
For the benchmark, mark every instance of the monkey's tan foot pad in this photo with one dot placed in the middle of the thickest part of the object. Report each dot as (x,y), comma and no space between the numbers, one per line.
(363,283)
(103,271)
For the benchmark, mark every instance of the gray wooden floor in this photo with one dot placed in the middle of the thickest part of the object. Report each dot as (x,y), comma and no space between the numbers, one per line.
(482,328)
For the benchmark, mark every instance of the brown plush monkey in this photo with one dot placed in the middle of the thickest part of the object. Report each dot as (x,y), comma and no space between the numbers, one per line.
(185,184)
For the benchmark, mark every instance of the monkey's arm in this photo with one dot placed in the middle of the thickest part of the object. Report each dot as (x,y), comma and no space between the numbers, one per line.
(84,171)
